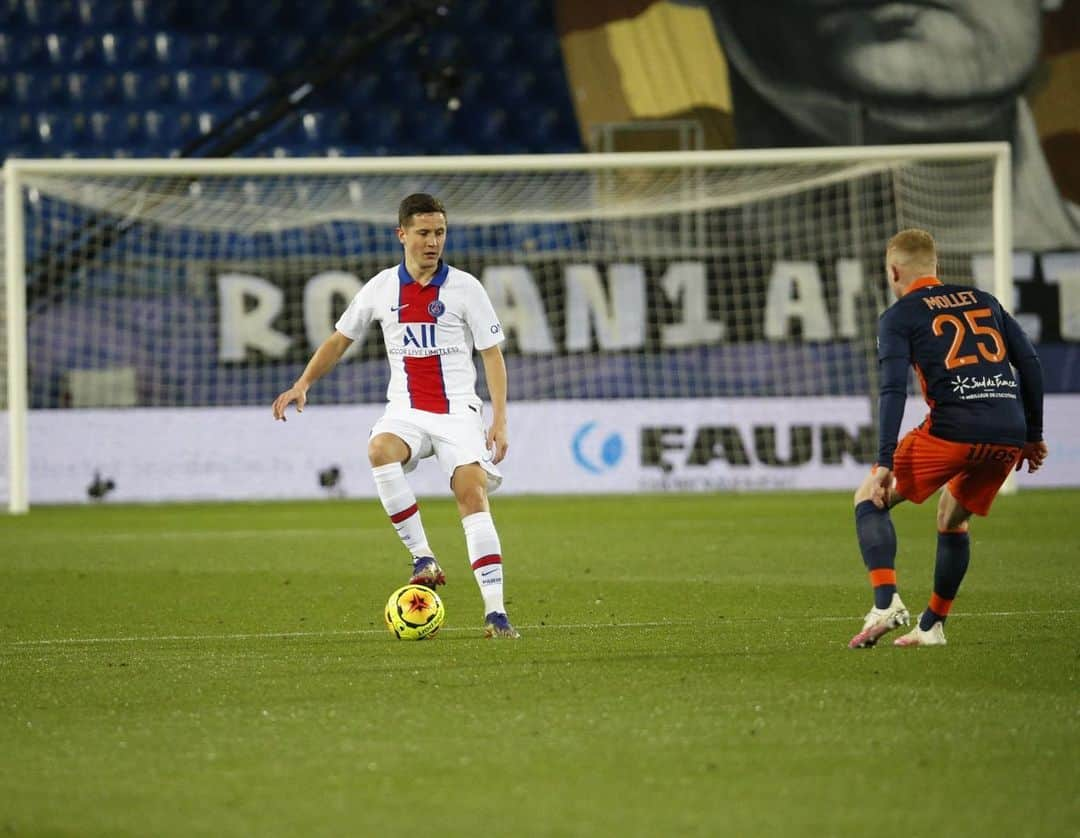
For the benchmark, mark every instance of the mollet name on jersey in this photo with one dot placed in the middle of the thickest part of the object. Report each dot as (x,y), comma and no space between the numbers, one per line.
(422,352)
(954,300)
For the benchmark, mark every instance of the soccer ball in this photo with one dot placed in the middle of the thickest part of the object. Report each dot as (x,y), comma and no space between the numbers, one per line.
(414,613)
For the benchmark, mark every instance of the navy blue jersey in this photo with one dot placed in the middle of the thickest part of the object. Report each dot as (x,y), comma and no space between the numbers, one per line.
(964,347)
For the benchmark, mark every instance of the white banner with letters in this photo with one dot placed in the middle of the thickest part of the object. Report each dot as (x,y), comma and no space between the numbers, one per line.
(555,447)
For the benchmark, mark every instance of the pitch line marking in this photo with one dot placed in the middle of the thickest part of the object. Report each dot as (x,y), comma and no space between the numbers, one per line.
(285,635)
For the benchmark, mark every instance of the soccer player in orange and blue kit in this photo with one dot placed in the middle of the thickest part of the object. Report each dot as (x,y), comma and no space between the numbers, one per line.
(983,382)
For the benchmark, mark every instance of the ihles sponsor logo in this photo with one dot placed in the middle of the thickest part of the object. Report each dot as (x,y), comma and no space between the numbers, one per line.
(595,450)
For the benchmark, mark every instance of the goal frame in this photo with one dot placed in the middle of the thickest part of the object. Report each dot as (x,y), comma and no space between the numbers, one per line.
(15,169)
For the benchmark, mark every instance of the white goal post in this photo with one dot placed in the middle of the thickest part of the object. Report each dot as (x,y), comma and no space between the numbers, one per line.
(168,284)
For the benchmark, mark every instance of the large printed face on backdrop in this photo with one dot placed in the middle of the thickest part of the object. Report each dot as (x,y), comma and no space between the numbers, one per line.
(881,50)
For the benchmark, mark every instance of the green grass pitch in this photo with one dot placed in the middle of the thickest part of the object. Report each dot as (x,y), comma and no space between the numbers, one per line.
(222,670)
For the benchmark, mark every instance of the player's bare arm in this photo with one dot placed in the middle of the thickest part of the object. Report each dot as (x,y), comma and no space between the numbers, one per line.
(324,360)
(498,440)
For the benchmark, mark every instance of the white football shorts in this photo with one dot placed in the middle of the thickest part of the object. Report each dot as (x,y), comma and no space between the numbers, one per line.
(455,439)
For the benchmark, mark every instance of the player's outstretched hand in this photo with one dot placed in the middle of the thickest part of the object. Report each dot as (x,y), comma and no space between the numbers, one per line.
(498,441)
(1035,454)
(293,394)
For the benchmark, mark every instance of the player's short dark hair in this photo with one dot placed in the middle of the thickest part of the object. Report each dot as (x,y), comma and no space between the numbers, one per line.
(418,202)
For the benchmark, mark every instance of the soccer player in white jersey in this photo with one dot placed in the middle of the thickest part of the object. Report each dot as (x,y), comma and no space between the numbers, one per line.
(432,316)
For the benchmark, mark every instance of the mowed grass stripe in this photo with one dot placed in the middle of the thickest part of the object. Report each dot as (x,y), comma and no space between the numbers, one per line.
(276,635)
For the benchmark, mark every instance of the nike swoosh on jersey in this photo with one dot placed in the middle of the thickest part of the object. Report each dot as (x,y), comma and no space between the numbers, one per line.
(400,307)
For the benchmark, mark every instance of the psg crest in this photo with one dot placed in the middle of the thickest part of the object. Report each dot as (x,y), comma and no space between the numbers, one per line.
(436,308)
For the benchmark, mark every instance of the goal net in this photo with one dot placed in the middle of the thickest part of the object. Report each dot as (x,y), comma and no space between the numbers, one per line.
(188,284)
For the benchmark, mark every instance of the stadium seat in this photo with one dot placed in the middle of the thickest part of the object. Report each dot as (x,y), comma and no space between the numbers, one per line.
(538,127)
(490,127)
(100,14)
(315,17)
(513,88)
(71,60)
(10,15)
(112,127)
(242,86)
(322,128)
(166,128)
(442,47)
(377,127)
(37,89)
(152,14)
(169,49)
(54,130)
(263,15)
(489,50)
(288,51)
(197,86)
(59,50)
(49,14)
(10,134)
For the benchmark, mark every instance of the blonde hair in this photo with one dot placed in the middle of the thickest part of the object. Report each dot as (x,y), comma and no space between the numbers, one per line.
(913,249)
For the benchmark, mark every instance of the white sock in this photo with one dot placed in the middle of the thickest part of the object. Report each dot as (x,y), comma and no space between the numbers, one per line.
(400,504)
(485,556)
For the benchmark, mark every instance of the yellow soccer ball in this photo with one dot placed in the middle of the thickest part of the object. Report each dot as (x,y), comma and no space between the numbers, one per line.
(414,613)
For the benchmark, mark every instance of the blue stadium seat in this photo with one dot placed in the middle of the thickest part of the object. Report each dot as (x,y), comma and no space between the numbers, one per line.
(468,17)
(262,15)
(333,128)
(402,87)
(54,131)
(100,14)
(113,127)
(240,51)
(170,49)
(166,128)
(441,47)
(489,50)
(286,51)
(152,14)
(525,15)
(539,127)
(491,127)
(242,86)
(38,89)
(315,17)
(513,88)
(377,127)
(360,89)
(197,86)
(65,60)
(59,50)
(49,14)
(94,87)
(148,87)
(10,14)
(10,132)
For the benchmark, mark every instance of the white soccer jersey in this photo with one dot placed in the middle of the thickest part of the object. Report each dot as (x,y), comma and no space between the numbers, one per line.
(430,332)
